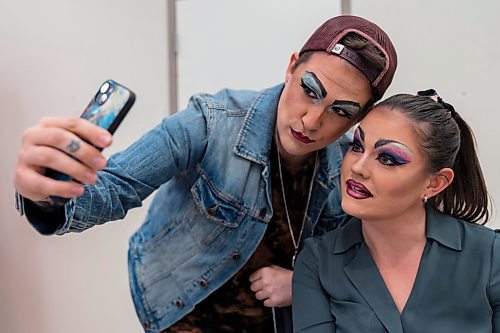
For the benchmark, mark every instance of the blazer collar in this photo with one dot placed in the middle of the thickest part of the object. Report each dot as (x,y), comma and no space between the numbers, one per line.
(440,227)
(364,275)
(350,234)
(443,228)
(362,270)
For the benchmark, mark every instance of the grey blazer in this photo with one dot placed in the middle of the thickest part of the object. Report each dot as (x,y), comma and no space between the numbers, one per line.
(338,288)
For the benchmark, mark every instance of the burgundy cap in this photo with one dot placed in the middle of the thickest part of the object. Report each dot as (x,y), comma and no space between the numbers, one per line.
(327,37)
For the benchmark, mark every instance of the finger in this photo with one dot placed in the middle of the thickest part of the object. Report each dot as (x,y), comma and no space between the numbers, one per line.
(270,303)
(262,294)
(37,187)
(69,143)
(82,128)
(40,157)
(257,286)
(257,275)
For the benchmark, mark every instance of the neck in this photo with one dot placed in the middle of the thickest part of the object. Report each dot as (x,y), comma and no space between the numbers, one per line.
(393,239)
(293,163)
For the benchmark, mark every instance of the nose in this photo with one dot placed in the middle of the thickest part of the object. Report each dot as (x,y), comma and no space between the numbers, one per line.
(312,118)
(360,166)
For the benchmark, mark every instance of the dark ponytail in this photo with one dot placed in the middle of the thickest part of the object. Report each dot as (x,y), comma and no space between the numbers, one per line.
(467,197)
(449,142)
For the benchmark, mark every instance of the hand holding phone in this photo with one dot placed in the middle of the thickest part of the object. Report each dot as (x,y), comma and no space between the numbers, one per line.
(106,109)
(71,145)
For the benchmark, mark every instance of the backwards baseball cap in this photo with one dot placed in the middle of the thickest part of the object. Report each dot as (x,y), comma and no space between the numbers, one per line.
(327,38)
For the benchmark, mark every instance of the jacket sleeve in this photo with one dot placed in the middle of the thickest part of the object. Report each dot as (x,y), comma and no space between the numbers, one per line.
(494,285)
(311,303)
(173,146)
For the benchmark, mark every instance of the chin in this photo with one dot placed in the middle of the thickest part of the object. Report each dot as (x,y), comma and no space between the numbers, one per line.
(356,209)
(295,150)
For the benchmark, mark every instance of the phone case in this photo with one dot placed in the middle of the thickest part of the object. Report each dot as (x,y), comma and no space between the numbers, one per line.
(107,109)
(110,104)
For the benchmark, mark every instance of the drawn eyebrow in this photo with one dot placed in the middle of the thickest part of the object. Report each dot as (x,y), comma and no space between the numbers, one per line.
(340,102)
(361,133)
(311,80)
(384,142)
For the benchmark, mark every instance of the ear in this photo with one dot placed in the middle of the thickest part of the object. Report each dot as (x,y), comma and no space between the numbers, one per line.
(439,181)
(293,59)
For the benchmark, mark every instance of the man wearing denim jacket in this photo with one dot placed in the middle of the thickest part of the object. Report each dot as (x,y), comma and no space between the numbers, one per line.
(243,177)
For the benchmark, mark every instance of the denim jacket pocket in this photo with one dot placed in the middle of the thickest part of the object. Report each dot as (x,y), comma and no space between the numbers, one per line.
(215,205)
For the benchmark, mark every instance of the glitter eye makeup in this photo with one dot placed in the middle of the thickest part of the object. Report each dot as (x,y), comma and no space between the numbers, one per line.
(312,86)
(360,133)
(347,109)
(392,157)
(388,152)
(356,144)
(392,153)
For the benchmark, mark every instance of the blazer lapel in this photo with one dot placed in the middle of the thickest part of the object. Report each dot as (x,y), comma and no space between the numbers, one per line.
(363,273)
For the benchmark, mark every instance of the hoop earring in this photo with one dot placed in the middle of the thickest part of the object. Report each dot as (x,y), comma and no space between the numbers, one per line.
(425,199)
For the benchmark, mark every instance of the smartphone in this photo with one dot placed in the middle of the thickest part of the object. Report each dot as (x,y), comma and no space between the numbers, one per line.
(106,109)
(109,106)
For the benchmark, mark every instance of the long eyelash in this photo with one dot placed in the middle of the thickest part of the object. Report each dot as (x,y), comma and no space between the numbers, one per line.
(355,143)
(333,109)
(346,115)
(394,162)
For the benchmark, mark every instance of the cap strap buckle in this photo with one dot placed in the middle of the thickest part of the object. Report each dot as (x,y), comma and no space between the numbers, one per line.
(356,60)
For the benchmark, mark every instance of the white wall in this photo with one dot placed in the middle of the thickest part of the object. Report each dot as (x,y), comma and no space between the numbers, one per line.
(54,55)
(242,44)
(451,46)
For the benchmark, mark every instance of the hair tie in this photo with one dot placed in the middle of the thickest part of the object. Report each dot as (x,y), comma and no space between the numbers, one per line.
(432,94)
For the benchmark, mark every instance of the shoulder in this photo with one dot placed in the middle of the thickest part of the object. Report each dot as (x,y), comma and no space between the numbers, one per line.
(478,233)
(456,234)
(235,101)
(323,245)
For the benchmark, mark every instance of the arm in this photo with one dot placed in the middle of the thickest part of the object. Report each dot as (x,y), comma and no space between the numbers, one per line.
(56,142)
(311,303)
(130,176)
(494,285)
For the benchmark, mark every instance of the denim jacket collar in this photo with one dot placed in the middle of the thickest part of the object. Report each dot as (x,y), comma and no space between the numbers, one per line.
(254,138)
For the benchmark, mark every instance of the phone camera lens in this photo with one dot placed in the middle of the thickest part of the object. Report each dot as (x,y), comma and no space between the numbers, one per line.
(102,98)
(104,88)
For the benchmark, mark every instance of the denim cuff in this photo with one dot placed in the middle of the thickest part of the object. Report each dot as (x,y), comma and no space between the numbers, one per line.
(45,217)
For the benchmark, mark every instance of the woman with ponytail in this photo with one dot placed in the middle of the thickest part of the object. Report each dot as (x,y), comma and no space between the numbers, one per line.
(414,257)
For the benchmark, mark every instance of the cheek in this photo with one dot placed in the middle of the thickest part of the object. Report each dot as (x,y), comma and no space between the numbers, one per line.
(334,127)
(346,166)
(402,187)
(289,104)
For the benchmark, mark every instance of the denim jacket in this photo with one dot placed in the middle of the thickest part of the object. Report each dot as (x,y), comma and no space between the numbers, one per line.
(210,164)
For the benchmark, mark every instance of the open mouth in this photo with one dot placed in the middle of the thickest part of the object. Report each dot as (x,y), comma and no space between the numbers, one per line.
(357,190)
(301,137)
